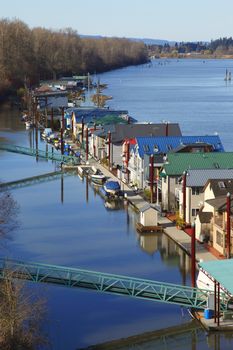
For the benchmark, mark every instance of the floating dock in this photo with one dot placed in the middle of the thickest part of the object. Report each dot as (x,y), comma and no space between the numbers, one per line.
(143,229)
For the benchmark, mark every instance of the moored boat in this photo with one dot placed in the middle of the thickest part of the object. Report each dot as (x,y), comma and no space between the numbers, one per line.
(46,132)
(112,187)
(98,177)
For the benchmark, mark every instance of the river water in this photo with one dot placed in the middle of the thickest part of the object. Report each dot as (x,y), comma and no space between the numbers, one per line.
(65,221)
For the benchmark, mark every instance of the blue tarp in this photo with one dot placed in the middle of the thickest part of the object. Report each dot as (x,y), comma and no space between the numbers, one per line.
(112,185)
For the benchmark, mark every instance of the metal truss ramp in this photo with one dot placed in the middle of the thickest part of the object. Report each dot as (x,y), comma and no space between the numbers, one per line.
(109,283)
(40,154)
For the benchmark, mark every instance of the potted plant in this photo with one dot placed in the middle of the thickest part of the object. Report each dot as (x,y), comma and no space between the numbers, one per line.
(179,221)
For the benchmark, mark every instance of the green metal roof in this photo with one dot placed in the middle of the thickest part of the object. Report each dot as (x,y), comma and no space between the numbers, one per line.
(221,271)
(110,119)
(177,163)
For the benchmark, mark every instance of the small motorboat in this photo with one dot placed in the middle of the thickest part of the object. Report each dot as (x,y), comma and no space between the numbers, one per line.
(98,177)
(47,132)
(112,187)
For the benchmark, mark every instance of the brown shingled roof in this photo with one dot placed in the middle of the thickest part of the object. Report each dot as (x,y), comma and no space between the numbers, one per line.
(219,203)
(205,217)
(221,187)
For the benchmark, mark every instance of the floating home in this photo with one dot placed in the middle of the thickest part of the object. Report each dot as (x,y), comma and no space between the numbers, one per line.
(159,146)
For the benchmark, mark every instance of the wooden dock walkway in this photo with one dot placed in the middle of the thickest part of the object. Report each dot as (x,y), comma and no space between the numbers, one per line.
(184,240)
(133,198)
(169,228)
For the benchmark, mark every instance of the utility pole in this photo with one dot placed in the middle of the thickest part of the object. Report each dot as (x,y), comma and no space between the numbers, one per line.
(87,150)
(193,255)
(152,178)
(184,196)
(228,240)
(109,150)
(62,130)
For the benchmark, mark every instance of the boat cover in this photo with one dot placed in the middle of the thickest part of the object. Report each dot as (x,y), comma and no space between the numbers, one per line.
(112,185)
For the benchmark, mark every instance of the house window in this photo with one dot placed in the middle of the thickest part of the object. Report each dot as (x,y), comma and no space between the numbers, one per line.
(221,184)
(219,238)
(195,191)
(195,212)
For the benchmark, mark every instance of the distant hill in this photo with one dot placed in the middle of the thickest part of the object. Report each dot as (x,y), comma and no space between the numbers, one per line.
(149,41)
(146,41)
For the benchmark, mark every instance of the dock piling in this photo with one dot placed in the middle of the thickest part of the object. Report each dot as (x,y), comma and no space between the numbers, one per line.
(193,255)
(228,205)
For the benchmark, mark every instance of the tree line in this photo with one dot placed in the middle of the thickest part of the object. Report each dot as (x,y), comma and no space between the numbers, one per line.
(29,55)
(221,46)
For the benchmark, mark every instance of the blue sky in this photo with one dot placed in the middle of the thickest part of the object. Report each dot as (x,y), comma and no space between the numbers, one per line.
(179,20)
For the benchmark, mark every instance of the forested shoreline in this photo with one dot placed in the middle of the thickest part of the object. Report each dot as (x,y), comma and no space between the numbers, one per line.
(219,48)
(29,55)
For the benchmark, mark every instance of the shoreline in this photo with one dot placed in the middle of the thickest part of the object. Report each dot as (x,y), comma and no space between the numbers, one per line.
(192,56)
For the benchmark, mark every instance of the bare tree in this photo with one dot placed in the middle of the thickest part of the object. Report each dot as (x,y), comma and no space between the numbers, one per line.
(31,54)
(21,316)
(21,313)
(8,213)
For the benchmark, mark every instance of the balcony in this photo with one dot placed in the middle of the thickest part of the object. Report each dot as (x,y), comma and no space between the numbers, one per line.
(221,224)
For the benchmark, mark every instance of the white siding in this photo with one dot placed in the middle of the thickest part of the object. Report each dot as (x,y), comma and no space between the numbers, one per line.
(208,194)
(149,217)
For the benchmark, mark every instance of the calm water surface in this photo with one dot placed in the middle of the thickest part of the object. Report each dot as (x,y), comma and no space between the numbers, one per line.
(191,92)
(65,221)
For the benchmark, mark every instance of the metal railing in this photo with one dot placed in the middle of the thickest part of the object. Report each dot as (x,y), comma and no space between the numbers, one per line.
(109,283)
(33,180)
(40,154)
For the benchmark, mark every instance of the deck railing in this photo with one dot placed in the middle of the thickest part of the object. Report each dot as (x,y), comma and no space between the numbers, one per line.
(109,283)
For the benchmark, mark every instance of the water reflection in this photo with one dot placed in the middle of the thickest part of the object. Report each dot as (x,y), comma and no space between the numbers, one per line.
(62,188)
(186,336)
(97,238)
(9,211)
(171,254)
(10,118)
(114,204)
(148,242)
(87,190)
